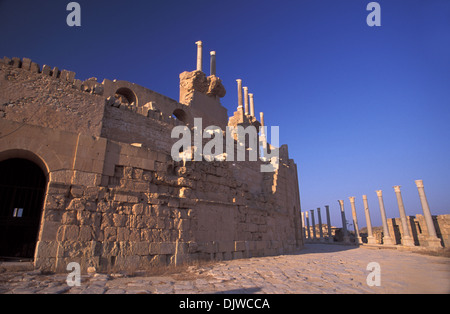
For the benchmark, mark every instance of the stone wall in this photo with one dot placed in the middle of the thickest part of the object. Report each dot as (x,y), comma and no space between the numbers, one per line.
(115,199)
(418,229)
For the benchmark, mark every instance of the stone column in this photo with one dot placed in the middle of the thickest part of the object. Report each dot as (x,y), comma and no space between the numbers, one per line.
(262,136)
(313,225)
(213,63)
(433,240)
(344,222)
(387,239)
(330,237)
(246,104)
(407,240)
(239,86)
(321,239)
(355,220)
(199,55)
(252,105)
(308,230)
(370,237)
(303,225)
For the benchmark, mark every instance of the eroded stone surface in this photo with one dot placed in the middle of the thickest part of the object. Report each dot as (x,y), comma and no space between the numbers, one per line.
(319,268)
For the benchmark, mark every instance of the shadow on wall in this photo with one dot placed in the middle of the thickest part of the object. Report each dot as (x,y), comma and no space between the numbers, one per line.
(310,248)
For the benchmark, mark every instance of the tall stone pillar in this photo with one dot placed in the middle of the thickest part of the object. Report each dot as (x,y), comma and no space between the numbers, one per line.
(330,237)
(199,55)
(308,229)
(239,86)
(246,104)
(213,63)
(319,216)
(252,105)
(344,222)
(370,237)
(355,220)
(303,225)
(313,225)
(262,136)
(387,239)
(407,240)
(433,240)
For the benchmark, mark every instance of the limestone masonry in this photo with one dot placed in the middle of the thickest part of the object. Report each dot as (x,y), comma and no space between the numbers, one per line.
(110,195)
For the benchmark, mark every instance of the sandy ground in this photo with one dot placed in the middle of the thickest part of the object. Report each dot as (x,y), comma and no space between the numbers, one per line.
(318,268)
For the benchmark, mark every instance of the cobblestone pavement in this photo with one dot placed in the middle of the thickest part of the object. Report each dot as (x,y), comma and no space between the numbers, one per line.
(319,268)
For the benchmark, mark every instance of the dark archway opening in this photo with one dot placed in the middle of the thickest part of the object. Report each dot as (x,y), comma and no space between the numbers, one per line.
(180,115)
(22,192)
(126,96)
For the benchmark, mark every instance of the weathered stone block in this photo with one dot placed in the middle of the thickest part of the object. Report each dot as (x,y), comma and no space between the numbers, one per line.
(46,70)
(167,248)
(86,233)
(35,68)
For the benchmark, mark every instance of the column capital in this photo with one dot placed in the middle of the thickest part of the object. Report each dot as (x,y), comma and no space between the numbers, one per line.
(352,199)
(364,197)
(199,43)
(327,206)
(419,183)
(245,88)
(397,188)
(212,53)
(379,193)
(239,80)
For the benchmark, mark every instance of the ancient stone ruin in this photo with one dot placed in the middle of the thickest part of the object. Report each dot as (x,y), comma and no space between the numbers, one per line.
(421,231)
(87,175)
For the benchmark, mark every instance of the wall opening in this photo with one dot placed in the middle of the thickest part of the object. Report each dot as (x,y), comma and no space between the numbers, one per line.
(180,115)
(22,193)
(126,96)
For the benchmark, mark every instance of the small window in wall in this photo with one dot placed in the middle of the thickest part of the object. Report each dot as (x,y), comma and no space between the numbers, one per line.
(18,212)
(180,115)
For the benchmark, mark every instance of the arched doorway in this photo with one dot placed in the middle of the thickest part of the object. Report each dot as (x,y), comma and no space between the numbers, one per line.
(22,192)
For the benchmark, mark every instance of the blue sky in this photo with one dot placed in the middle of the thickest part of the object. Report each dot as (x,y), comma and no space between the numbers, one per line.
(361,108)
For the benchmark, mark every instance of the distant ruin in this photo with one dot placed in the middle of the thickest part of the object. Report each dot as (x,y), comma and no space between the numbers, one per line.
(425,231)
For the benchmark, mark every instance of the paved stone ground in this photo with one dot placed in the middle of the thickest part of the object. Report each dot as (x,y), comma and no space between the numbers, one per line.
(319,268)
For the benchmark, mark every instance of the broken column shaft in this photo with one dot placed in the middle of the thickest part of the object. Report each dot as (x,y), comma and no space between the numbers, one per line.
(199,55)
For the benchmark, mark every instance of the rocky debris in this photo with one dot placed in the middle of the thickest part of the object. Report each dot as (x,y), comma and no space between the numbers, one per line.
(197,81)
(215,87)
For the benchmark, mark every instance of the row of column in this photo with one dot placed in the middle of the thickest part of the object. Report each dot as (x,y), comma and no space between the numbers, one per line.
(246,101)
(305,216)
(200,59)
(407,240)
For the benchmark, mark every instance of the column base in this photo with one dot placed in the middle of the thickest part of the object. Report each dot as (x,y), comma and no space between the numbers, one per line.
(408,241)
(388,241)
(358,240)
(371,240)
(346,239)
(434,242)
